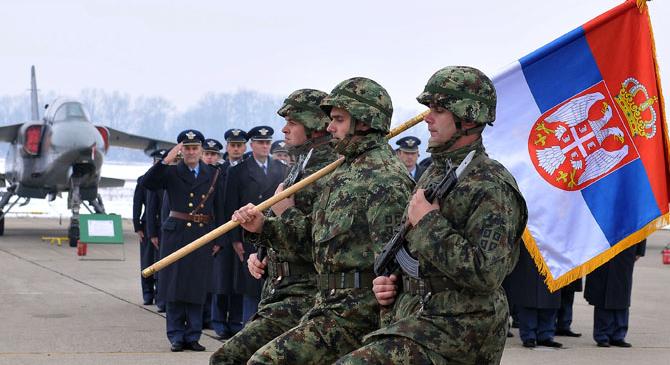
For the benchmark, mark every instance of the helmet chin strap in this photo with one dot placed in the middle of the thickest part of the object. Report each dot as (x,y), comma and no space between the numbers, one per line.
(460,132)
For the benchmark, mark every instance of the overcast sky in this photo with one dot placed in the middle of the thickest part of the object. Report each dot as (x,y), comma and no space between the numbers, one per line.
(183,49)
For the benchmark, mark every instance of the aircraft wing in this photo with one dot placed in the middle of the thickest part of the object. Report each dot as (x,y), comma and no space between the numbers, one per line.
(127,140)
(110,182)
(8,133)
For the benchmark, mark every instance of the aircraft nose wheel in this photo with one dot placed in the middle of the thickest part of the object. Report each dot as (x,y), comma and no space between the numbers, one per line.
(73,234)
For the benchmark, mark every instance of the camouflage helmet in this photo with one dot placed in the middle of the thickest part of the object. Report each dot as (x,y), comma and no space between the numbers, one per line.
(364,99)
(303,107)
(464,91)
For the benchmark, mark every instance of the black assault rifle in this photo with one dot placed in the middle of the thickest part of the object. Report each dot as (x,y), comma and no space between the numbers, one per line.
(395,255)
(293,177)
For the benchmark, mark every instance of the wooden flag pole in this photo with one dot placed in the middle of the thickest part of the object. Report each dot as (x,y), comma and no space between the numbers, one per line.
(224,228)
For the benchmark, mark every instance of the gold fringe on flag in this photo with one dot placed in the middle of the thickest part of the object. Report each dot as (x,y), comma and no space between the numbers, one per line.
(595,262)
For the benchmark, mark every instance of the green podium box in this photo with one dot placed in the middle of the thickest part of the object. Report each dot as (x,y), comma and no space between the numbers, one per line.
(100,229)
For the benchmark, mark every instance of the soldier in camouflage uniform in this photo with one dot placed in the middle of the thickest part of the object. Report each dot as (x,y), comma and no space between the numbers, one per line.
(290,288)
(466,244)
(353,217)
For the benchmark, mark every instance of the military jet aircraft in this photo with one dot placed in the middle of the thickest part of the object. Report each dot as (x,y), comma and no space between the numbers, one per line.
(61,152)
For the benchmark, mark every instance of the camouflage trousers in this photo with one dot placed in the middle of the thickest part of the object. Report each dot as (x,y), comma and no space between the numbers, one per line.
(389,351)
(278,311)
(324,334)
(256,333)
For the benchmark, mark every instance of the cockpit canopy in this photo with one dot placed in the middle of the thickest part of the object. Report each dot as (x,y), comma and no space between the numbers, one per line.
(64,110)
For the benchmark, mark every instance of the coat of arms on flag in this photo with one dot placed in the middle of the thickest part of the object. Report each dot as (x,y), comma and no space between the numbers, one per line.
(589,110)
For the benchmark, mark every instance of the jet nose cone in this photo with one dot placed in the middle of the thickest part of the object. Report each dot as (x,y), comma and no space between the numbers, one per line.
(74,135)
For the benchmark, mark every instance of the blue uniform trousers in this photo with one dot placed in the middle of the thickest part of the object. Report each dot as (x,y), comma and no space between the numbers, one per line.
(564,316)
(227,314)
(147,258)
(249,307)
(207,312)
(536,324)
(610,324)
(184,322)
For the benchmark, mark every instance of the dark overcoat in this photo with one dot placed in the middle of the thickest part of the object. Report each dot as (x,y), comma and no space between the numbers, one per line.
(188,279)
(139,201)
(224,261)
(247,183)
(610,285)
(527,287)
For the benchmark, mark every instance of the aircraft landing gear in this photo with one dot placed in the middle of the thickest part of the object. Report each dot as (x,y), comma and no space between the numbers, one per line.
(73,203)
(97,205)
(3,201)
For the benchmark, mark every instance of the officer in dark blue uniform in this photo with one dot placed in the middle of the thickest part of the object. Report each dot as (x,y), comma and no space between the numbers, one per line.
(226,304)
(147,251)
(408,153)
(608,289)
(279,152)
(153,228)
(211,155)
(195,201)
(236,146)
(251,181)
(535,306)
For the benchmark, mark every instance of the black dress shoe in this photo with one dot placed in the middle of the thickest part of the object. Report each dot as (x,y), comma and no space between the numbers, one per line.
(510,334)
(529,343)
(161,309)
(177,347)
(620,343)
(550,343)
(603,344)
(148,301)
(567,333)
(195,346)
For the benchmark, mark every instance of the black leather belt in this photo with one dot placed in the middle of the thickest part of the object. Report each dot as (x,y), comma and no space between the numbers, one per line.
(345,280)
(196,218)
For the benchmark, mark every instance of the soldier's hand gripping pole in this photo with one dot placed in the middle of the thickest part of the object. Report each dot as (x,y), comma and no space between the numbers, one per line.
(222,229)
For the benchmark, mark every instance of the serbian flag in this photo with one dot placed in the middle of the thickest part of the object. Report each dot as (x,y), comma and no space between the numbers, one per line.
(581,126)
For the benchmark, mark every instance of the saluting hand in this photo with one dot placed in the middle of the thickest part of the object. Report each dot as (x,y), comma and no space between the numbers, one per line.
(419,207)
(172,154)
(256,267)
(280,207)
(385,289)
(249,218)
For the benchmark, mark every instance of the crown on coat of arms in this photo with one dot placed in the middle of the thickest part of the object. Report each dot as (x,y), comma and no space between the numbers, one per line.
(633,110)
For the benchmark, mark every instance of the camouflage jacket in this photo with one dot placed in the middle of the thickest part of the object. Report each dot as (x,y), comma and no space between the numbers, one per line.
(472,241)
(358,207)
(285,244)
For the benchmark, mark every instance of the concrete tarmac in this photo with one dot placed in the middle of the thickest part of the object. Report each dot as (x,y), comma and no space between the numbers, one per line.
(58,309)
